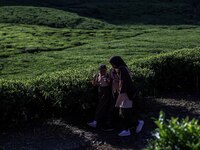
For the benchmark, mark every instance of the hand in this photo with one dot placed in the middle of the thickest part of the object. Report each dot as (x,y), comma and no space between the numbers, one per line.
(108,80)
(94,82)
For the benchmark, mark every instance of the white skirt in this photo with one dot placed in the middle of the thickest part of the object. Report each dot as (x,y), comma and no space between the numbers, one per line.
(123,101)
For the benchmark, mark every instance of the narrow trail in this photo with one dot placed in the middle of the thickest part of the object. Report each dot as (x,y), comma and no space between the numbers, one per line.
(72,132)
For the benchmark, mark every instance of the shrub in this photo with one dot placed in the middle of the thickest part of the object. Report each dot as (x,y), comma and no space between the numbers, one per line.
(45,96)
(70,90)
(178,70)
(14,98)
(175,134)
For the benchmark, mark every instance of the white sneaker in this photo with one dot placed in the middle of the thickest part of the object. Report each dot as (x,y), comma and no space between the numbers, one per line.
(139,126)
(124,133)
(92,124)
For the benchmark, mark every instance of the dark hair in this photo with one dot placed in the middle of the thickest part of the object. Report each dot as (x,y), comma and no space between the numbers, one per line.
(102,66)
(117,61)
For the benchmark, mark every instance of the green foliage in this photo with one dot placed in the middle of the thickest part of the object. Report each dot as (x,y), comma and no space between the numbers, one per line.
(71,89)
(175,70)
(15,96)
(47,16)
(125,12)
(30,50)
(45,96)
(27,51)
(175,134)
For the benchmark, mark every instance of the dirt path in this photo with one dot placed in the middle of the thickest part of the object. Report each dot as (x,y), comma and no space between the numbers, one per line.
(70,133)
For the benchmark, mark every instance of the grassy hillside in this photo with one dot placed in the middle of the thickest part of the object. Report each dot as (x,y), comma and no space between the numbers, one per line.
(46,16)
(30,47)
(50,49)
(27,51)
(121,12)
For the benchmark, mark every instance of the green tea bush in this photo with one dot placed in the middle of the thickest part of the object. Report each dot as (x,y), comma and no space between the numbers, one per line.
(176,135)
(178,70)
(14,98)
(71,90)
(45,96)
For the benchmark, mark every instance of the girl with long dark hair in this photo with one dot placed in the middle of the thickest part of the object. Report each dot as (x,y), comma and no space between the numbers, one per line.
(123,92)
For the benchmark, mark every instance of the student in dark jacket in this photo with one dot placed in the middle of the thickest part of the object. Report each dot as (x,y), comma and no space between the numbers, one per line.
(124,91)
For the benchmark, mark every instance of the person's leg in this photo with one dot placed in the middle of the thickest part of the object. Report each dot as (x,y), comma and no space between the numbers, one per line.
(115,110)
(98,114)
(134,116)
(137,121)
(125,121)
(109,110)
(101,108)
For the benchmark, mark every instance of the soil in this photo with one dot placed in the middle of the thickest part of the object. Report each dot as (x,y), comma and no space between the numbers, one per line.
(71,132)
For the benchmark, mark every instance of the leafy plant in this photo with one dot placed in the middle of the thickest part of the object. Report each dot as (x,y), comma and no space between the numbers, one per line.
(176,70)
(176,135)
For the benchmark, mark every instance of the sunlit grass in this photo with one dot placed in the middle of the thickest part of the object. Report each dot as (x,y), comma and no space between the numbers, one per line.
(28,50)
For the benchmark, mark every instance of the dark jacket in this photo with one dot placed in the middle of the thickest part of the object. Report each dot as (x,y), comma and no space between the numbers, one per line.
(126,82)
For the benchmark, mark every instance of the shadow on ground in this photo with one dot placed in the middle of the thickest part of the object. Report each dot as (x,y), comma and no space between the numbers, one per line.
(71,132)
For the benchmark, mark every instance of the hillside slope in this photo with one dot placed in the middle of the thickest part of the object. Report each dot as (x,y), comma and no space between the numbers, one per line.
(47,16)
(120,12)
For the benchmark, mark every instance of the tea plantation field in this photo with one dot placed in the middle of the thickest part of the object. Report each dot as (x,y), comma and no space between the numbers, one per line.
(43,37)
(50,49)
(27,51)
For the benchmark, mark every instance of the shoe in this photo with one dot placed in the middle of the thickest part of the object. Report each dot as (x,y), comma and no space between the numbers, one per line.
(139,126)
(125,133)
(92,124)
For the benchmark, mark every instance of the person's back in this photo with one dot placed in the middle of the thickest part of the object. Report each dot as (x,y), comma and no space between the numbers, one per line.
(125,97)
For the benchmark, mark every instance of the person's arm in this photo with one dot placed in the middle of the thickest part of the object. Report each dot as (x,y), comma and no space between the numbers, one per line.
(126,83)
(123,80)
(111,75)
(108,78)
(95,80)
